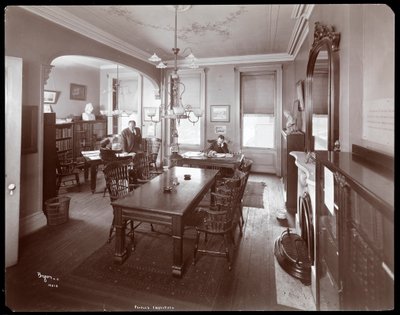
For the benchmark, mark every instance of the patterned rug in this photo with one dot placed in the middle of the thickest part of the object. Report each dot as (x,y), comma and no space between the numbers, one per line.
(253,194)
(148,268)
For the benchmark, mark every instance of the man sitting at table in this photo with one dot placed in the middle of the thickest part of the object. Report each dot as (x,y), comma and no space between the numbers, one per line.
(218,146)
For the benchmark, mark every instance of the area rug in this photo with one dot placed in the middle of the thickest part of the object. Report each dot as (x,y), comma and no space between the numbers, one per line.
(253,194)
(148,269)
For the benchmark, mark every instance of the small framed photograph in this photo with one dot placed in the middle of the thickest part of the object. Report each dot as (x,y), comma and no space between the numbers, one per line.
(220,113)
(77,92)
(151,114)
(220,130)
(49,97)
(300,94)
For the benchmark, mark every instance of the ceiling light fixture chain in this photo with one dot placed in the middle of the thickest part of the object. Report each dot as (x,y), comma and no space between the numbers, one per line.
(176,110)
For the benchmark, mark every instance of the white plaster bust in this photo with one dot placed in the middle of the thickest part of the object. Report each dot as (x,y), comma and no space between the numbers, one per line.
(290,122)
(88,115)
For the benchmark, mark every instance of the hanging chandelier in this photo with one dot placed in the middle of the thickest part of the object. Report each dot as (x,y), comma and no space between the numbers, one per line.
(176,109)
(117,91)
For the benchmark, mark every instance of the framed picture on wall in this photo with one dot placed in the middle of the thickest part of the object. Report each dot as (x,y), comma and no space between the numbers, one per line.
(220,130)
(77,92)
(220,113)
(49,97)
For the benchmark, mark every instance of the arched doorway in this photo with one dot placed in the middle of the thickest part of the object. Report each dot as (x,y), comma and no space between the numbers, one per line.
(117,92)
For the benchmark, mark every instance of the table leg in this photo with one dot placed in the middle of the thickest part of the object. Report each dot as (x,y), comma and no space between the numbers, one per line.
(93,176)
(120,254)
(177,237)
(86,171)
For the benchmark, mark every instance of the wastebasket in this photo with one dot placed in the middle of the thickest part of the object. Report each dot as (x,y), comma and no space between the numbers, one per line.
(57,210)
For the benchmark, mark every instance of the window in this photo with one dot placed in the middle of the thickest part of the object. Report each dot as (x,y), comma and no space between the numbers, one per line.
(258,117)
(255,127)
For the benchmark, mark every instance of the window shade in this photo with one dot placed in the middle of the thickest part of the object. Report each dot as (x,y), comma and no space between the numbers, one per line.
(258,93)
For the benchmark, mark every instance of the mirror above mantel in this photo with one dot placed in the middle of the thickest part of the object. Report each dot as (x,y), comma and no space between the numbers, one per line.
(322,91)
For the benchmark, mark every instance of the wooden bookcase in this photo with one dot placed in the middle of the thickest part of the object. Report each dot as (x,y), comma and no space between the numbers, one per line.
(87,135)
(67,140)
(64,141)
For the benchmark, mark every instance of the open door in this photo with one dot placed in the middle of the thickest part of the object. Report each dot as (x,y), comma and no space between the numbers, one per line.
(13,110)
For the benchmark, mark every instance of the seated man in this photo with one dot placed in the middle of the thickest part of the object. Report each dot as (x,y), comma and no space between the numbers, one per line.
(218,146)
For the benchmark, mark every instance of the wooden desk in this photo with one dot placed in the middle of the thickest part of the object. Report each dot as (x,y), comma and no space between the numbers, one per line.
(149,203)
(92,161)
(189,158)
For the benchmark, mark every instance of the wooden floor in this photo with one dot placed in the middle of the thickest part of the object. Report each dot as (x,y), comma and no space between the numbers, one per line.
(56,250)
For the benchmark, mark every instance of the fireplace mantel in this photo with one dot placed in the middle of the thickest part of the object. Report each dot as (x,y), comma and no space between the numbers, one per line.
(306,183)
(307,168)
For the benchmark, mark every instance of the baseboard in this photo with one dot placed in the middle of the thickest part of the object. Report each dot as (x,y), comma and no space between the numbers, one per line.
(268,169)
(31,223)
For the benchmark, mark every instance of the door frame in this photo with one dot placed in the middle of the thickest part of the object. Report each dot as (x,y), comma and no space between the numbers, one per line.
(13,114)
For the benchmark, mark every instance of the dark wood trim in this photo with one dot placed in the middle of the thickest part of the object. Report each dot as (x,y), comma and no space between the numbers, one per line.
(373,157)
(29,141)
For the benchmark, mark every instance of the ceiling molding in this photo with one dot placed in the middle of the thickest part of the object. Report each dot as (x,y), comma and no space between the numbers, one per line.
(301,13)
(281,57)
(60,17)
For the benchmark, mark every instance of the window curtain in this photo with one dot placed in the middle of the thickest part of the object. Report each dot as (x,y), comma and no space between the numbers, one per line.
(258,93)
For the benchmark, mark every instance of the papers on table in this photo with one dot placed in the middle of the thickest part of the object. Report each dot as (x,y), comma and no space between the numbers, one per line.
(95,155)
(220,155)
(193,154)
(91,155)
(124,154)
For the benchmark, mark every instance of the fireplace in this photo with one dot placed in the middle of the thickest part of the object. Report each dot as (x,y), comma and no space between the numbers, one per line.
(295,253)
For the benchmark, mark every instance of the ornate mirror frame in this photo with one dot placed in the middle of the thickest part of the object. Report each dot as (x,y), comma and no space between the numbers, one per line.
(325,38)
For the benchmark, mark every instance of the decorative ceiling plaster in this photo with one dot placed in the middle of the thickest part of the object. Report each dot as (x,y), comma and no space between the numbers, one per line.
(225,34)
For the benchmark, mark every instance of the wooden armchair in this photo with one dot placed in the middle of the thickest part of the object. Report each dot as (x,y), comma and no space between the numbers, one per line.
(116,174)
(220,218)
(223,187)
(66,172)
(152,148)
(107,156)
(143,173)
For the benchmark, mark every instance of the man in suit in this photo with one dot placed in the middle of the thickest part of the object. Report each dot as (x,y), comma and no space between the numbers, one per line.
(218,146)
(131,138)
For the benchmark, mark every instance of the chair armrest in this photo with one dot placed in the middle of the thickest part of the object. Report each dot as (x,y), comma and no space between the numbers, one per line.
(210,211)
(71,163)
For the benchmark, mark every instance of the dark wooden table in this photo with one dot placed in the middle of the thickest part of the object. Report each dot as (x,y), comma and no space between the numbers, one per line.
(232,162)
(149,203)
(92,161)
